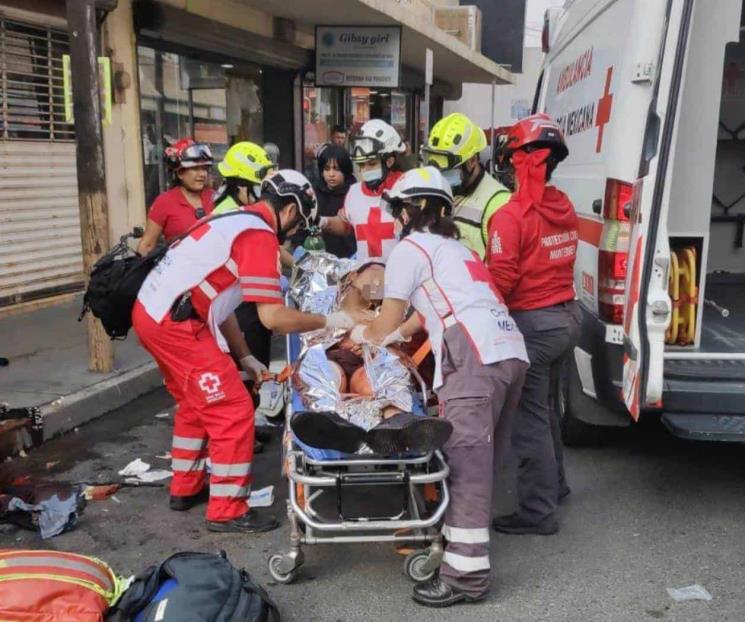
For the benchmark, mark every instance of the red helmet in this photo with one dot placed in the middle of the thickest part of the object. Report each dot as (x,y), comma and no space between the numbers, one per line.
(540,131)
(185,153)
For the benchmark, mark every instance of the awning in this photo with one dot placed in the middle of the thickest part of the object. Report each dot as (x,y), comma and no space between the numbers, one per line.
(454,61)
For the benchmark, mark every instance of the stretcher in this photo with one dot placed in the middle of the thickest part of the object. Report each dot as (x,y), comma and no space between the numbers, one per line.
(324,495)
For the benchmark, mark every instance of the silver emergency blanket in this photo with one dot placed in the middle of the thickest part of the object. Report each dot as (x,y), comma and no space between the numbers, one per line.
(313,275)
(390,380)
(314,379)
(314,287)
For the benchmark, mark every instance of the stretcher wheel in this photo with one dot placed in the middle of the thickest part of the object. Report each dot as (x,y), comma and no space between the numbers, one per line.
(276,567)
(415,566)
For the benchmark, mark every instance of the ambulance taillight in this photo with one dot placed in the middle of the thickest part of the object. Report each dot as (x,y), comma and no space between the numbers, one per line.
(544,33)
(614,250)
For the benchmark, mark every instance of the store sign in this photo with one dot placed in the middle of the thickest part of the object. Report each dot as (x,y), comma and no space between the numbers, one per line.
(358,56)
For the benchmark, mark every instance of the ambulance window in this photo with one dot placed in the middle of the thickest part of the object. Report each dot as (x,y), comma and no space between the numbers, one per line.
(537,94)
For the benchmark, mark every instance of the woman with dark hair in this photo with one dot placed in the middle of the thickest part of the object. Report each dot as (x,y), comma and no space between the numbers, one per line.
(188,200)
(336,175)
(480,364)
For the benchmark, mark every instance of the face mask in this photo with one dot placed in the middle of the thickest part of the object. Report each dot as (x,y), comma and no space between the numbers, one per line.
(255,191)
(454,177)
(372,175)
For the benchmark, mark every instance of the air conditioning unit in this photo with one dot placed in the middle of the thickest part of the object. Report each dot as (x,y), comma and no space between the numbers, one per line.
(463,22)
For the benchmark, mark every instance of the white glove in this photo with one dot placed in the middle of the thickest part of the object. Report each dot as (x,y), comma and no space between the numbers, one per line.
(358,334)
(253,367)
(339,319)
(394,337)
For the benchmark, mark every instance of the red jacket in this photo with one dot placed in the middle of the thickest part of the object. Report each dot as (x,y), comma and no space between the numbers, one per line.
(531,250)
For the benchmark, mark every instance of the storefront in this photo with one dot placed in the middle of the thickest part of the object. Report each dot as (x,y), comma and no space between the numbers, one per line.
(180,96)
(214,83)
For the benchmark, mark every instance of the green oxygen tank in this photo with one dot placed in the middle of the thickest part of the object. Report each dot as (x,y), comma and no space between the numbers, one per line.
(314,240)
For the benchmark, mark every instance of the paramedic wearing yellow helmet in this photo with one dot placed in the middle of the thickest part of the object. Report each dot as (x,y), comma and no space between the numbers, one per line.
(243,169)
(453,147)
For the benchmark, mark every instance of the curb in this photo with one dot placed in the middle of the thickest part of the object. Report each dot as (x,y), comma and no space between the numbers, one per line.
(70,411)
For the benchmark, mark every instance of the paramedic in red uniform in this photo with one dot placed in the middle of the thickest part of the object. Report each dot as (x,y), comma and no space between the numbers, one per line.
(190,198)
(480,363)
(184,318)
(531,250)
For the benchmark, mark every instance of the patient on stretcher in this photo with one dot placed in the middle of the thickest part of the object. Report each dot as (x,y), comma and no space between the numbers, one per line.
(359,396)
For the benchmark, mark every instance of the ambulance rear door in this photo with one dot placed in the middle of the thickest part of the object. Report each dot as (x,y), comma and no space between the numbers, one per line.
(647,304)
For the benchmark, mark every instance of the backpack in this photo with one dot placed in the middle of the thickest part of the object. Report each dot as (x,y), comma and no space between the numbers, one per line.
(52,586)
(116,279)
(194,587)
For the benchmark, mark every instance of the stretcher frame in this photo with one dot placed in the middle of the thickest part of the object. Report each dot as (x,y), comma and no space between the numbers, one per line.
(310,478)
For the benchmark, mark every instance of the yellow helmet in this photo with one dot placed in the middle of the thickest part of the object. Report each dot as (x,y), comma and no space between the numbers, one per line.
(248,161)
(453,140)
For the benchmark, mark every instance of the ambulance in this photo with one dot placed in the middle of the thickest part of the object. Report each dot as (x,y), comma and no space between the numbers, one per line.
(651,97)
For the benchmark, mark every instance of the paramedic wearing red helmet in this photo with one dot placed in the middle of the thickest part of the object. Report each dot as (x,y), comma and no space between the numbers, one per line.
(190,198)
(531,250)
(184,317)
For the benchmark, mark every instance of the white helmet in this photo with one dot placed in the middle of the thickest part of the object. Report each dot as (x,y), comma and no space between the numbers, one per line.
(426,181)
(289,183)
(376,138)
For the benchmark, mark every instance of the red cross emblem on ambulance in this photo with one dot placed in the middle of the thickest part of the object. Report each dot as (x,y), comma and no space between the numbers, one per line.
(375,232)
(605,103)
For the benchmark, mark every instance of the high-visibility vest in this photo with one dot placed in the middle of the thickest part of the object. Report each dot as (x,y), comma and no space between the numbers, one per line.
(472,213)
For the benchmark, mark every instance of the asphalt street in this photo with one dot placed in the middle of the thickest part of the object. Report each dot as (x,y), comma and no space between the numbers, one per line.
(647,512)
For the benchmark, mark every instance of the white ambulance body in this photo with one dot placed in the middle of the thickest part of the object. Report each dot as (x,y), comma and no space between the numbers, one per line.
(651,97)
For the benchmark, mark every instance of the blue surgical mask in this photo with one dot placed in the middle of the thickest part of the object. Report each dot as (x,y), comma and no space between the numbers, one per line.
(454,177)
(372,175)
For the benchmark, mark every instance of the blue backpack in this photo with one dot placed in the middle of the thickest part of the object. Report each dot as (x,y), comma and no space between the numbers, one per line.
(194,587)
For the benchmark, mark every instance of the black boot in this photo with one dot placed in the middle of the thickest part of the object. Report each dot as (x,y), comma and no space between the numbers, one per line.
(327,430)
(251,522)
(513,524)
(407,433)
(437,593)
(181,504)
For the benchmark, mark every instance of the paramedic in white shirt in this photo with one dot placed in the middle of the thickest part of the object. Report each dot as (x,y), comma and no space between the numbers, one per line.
(480,367)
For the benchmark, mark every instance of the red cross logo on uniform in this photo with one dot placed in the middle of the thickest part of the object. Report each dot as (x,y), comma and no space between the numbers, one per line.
(374,232)
(604,107)
(209,383)
(480,274)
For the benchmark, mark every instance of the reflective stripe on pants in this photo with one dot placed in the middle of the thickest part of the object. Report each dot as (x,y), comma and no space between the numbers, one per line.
(215,413)
(480,401)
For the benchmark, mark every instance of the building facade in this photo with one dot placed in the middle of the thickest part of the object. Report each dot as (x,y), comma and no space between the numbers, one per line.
(219,71)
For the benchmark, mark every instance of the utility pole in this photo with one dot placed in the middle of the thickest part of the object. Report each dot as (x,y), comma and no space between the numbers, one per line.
(94,218)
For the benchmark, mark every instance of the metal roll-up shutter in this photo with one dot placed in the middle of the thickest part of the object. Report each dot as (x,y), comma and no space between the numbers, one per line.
(40,248)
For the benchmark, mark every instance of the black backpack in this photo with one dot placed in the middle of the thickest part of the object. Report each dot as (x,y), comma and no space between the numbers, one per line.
(209,588)
(115,281)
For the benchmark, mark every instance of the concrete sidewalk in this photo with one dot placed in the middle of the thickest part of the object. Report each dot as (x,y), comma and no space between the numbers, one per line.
(48,354)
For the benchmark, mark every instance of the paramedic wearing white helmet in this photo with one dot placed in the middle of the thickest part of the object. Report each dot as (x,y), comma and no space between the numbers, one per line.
(183,316)
(480,363)
(373,152)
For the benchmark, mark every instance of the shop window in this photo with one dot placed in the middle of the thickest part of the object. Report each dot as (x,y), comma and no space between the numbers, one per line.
(214,103)
(321,112)
(32,102)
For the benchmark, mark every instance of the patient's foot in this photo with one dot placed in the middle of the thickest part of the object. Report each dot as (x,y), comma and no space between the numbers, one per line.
(327,430)
(406,433)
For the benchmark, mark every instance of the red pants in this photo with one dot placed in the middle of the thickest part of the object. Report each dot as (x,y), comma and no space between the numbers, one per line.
(213,405)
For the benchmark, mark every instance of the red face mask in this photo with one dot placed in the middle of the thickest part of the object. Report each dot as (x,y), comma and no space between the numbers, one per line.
(530,174)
